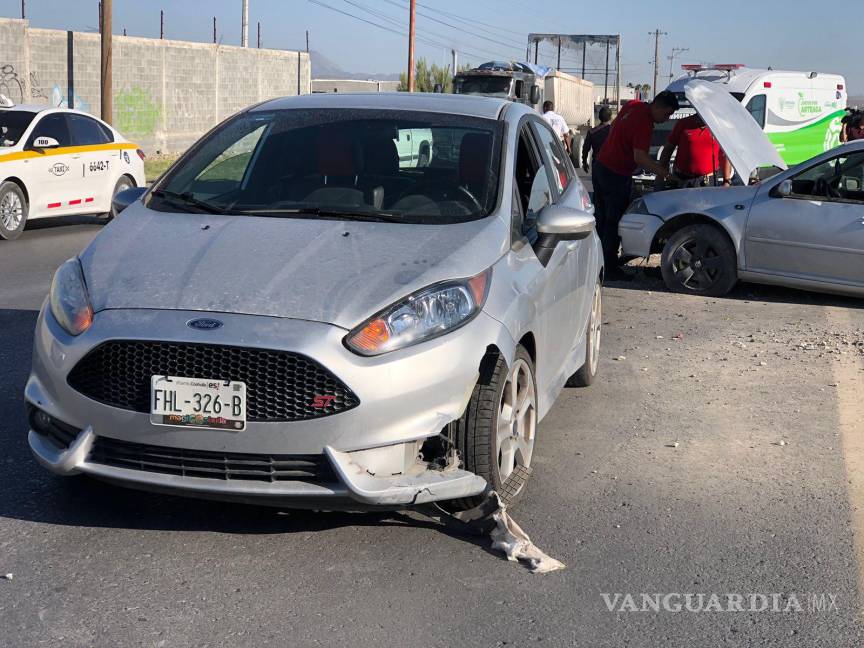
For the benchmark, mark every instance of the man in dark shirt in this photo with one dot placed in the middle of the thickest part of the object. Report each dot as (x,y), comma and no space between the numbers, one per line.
(596,136)
(625,150)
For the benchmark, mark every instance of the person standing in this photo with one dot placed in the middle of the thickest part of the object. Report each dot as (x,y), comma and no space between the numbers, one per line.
(625,150)
(853,127)
(596,136)
(699,154)
(558,123)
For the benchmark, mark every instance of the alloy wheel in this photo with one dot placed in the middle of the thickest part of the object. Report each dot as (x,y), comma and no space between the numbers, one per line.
(517,420)
(595,325)
(697,265)
(11,210)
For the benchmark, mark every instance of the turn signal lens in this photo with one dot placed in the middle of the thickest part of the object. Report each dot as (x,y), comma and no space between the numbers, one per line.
(424,315)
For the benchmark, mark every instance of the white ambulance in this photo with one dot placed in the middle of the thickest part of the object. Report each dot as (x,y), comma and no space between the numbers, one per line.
(56,161)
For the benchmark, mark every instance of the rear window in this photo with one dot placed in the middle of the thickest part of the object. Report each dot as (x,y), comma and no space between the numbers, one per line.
(483,85)
(423,167)
(13,123)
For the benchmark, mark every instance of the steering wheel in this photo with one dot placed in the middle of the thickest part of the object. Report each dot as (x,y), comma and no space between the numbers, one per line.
(442,190)
(823,188)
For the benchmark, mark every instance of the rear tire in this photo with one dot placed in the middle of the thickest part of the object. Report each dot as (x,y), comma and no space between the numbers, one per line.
(699,260)
(495,439)
(587,373)
(124,182)
(13,211)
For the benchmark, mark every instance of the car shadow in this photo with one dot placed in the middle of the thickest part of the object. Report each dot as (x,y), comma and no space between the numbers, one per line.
(29,492)
(647,277)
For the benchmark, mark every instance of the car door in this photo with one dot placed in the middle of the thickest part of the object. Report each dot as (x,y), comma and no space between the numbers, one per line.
(99,164)
(569,193)
(816,231)
(549,283)
(53,174)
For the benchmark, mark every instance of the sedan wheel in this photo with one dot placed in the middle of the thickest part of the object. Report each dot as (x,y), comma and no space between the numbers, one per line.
(700,260)
(496,435)
(123,183)
(13,211)
(587,373)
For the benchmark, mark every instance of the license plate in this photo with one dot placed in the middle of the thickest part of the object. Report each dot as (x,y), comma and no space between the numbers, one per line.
(198,402)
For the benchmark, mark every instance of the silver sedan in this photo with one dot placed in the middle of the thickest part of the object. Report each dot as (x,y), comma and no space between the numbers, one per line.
(303,312)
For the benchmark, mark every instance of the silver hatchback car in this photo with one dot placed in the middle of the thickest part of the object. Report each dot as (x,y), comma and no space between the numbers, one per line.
(330,301)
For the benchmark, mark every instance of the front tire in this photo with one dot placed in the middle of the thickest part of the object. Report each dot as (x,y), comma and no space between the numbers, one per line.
(495,437)
(587,373)
(13,211)
(699,260)
(124,182)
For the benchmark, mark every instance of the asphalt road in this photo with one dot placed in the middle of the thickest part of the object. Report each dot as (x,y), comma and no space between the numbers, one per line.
(761,391)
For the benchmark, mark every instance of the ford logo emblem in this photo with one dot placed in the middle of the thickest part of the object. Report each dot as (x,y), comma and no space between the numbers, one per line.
(204,324)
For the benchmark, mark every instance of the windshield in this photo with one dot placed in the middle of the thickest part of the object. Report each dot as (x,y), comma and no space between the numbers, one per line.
(494,86)
(13,123)
(395,165)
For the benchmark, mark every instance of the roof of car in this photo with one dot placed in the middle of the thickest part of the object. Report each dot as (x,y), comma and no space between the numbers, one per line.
(472,106)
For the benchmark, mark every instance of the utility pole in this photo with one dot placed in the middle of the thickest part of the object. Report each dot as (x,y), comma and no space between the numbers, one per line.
(307,41)
(106,76)
(455,62)
(675,52)
(411,16)
(23,9)
(244,35)
(259,34)
(161,24)
(657,34)
(214,30)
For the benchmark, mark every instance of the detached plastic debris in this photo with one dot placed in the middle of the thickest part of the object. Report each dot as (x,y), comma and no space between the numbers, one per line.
(490,518)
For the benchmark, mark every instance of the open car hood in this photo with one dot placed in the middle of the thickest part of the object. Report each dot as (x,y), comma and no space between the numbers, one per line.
(744,143)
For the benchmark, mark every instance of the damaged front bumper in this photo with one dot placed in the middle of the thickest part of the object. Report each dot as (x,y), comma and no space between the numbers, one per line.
(367,457)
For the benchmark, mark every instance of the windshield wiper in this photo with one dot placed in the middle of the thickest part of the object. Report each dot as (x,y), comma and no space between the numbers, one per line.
(335,213)
(187,199)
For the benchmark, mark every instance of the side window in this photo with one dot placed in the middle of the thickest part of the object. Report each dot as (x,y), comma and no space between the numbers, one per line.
(555,157)
(532,181)
(756,107)
(53,125)
(85,131)
(840,178)
(228,169)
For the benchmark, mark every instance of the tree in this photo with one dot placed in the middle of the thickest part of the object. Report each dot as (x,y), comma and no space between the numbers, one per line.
(426,77)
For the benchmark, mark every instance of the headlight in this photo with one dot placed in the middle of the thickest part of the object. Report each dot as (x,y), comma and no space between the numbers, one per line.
(638,206)
(426,314)
(70,303)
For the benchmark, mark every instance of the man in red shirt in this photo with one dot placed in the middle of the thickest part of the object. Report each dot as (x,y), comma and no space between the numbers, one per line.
(625,150)
(699,154)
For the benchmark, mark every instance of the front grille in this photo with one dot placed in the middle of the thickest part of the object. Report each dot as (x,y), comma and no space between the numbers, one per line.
(213,465)
(280,386)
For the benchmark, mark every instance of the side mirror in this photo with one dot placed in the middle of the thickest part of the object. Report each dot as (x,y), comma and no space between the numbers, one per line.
(534,95)
(565,223)
(45,143)
(125,198)
(438,89)
(782,190)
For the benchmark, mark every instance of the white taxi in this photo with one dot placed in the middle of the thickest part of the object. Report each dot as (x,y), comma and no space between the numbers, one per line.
(57,162)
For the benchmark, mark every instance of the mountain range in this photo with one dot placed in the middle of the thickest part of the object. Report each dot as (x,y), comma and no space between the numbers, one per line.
(324,68)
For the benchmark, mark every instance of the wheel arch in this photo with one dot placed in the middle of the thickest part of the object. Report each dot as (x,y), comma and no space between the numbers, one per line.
(18,181)
(683,220)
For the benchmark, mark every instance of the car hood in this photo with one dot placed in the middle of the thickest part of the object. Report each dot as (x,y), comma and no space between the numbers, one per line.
(744,143)
(668,204)
(338,272)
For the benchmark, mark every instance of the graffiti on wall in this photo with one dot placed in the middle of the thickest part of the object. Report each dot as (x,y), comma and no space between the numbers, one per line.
(135,112)
(11,84)
(21,90)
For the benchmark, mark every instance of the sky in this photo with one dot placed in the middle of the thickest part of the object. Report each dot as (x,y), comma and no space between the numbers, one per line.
(758,33)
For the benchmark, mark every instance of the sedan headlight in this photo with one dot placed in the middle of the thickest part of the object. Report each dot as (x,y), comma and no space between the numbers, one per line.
(638,206)
(424,315)
(70,303)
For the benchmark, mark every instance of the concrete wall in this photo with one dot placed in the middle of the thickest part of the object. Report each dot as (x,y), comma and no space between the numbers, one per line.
(167,93)
(353,85)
